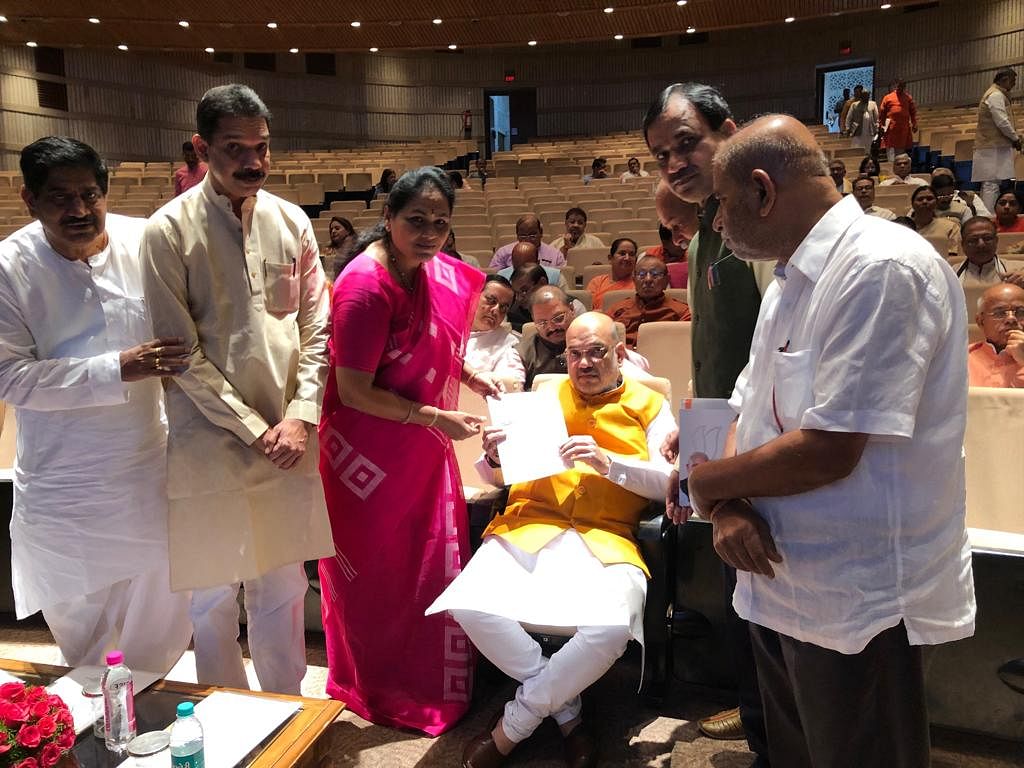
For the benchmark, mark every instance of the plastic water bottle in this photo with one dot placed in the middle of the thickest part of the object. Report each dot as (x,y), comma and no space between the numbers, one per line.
(118,703)
(186,738)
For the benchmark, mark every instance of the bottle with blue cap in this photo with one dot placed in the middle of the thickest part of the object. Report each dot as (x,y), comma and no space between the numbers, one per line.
(186,738)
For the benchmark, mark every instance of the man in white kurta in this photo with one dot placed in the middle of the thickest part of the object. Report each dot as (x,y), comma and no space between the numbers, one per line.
(80,367)
(862,122)
(995,137)
(563,553)
(844,506)
(236,272)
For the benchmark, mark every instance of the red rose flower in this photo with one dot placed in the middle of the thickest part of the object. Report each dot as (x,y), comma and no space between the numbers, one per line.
(5,746)
(38,709)
(12,713)
(47,726)
(28,762)
(50,755)
(28,736)
(12,691)
(66,740)
(37,693)
(56,702)
(64,718)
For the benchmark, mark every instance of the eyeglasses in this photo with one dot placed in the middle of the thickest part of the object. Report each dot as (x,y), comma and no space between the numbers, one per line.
(654,273)
(554,322)
(1000,313)
(490,301)
(593,354)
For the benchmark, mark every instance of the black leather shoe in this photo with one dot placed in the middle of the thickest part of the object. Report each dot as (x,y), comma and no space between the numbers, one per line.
(580,748)
(481,751)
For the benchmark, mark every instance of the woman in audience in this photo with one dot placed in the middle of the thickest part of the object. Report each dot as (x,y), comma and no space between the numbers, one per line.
(491,346)
(343,236)
(869,167)
(400,309)
(622,257)
(923,202)
(1008,218)
(387,181)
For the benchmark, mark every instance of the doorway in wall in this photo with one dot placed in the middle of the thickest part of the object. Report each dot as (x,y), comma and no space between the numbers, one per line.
(833,80)
(511,117)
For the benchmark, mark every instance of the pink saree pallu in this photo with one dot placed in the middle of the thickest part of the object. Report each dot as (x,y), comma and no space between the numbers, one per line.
(394,495)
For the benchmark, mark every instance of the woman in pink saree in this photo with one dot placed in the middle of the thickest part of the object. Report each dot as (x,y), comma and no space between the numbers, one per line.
(400,319)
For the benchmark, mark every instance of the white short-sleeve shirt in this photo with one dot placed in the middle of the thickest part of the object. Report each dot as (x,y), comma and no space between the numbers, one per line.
(864,331)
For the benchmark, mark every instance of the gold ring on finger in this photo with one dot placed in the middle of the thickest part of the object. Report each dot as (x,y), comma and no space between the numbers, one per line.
(158,362)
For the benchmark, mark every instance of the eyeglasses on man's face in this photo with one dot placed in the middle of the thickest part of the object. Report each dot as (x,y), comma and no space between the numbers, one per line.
(555,322)
(654,274)
(593,354)
(980,239)
(1003,313)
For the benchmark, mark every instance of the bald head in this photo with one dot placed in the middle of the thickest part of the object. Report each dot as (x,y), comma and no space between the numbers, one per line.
(676,214)
(997,310)
(524,252)
(593,353)
(773,186)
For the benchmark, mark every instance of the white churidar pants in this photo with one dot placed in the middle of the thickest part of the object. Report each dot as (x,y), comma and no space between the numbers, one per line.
(139,616)
(276,631)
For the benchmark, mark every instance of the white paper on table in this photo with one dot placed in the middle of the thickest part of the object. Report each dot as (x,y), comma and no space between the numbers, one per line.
(69,688)
(534,431)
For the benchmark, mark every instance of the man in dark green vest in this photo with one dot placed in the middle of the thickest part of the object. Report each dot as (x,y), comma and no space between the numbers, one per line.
(684,128)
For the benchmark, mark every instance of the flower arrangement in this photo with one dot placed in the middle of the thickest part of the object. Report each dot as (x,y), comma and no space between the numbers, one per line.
(36,727)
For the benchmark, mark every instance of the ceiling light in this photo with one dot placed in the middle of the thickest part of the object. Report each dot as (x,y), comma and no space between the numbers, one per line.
(790,19)
(609,9)
(452,47)
(3,20)
(886,6)
(680,2)
(618,37)
(209,50)
(690,30)
(271,25)
(183,24)
(293,50)
(356,24)
(32,44)
(93,20)
(532,42)
(122,47)
(437,21)
(374,50)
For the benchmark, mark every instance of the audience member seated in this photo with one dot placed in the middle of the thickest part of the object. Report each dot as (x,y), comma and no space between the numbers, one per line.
(458,181)
(964,196)
(650,303)
(598,170)
(864,192)
(979,241)
(387,180)
(901,173)
(576,233)
(1008,218)
(191,173)
(529,230)
(342,237)
(450,248)
(568,543)
(869,167)
(525,252)
(946,203)
(634,171)
(525,279)
(999,360)
(479,171)
(837,170)
(922,203)
(672,255)
(491,346)
(622,258)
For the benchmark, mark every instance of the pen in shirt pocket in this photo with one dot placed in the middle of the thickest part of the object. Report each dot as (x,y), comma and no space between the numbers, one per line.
(293,266)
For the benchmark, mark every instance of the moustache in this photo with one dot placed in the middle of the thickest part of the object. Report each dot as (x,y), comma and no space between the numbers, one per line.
(73,220)
(249,175)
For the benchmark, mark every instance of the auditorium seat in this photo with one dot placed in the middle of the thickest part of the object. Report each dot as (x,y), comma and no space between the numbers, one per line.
(993,445)
(667,346)
(593,270)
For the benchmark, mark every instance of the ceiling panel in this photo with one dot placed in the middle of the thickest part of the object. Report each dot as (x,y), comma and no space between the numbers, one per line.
(325,25)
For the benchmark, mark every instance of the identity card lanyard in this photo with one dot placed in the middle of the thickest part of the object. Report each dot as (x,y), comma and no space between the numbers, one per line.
(714,278)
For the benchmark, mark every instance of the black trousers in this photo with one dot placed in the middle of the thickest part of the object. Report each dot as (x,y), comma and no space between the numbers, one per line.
(825,709)
(749,696)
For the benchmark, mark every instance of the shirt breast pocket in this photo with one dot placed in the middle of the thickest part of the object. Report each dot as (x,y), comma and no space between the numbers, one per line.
(281,288)
(793,392)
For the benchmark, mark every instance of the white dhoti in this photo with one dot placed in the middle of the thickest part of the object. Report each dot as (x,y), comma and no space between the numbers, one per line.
(562,587)
(990,166)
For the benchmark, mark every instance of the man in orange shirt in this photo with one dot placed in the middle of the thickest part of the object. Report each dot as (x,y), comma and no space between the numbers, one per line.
(650,303)
(999,360)
(191,173)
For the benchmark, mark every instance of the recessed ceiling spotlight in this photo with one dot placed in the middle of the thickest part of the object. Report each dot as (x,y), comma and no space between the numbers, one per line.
(532,42)
(3,20)
(609,9)
(452,47)
(356,24)
(208,50)
(790,19)
(437,21)
(618,37)
(122,47)
(886,6)
(293,50)
(690,30)
(680,2)
(183,24)
(374,50)
(271,25)
(32,44)
(92,20)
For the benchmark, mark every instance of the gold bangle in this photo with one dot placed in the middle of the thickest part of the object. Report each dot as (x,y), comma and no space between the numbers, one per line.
(408,413)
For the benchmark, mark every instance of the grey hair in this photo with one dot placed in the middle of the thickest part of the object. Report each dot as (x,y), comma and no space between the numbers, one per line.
(902,156)
(782,157)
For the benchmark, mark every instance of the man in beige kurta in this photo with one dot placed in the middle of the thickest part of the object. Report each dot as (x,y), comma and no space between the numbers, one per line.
(235,270)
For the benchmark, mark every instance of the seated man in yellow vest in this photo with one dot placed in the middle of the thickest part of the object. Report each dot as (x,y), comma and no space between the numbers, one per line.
(564,552)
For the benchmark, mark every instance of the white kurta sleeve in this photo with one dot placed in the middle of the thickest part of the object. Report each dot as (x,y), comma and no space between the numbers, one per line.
(312,321)
(997,107)
(646,478)
(51,384)
(166,282)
